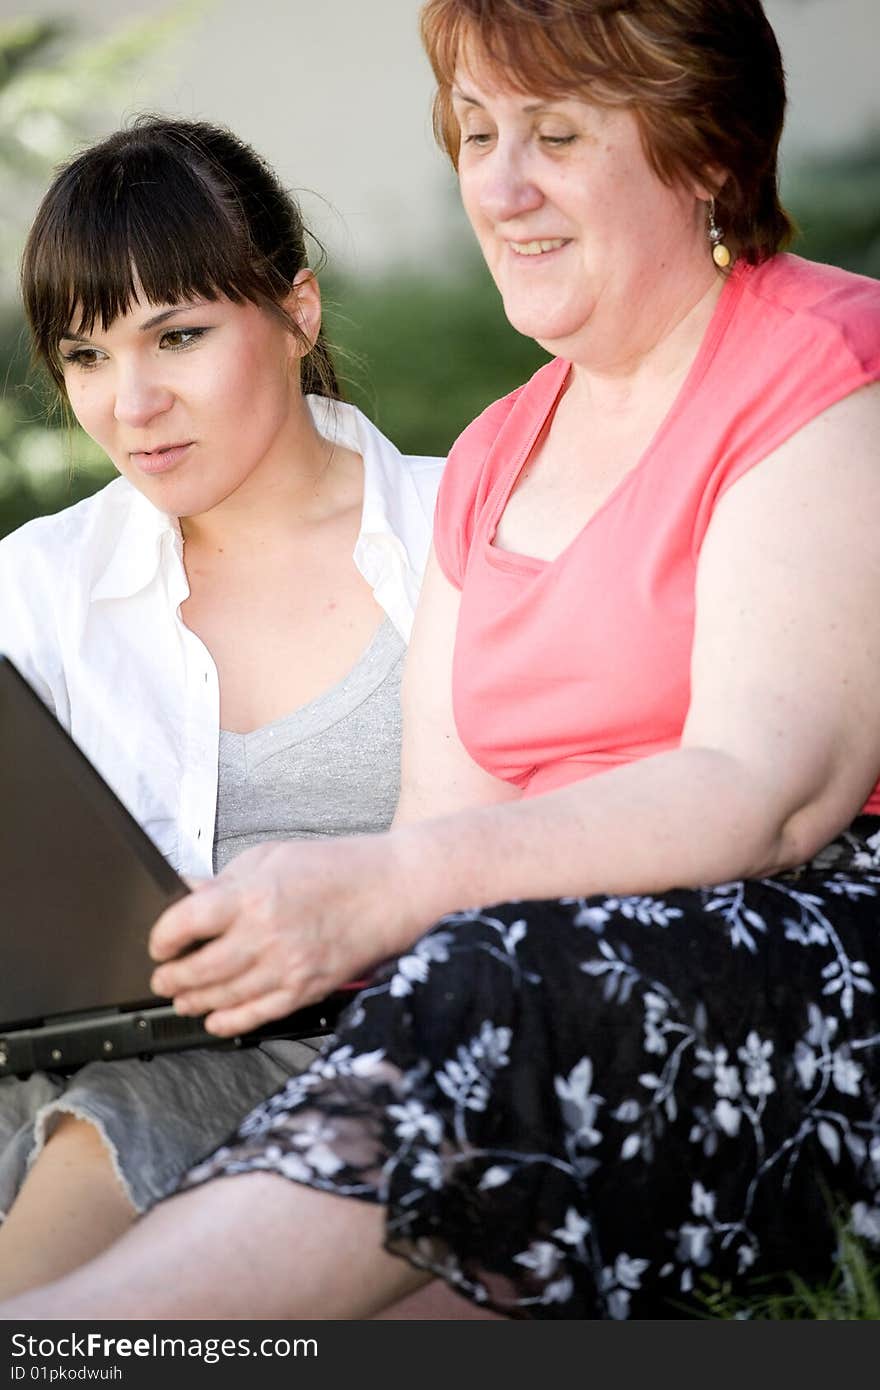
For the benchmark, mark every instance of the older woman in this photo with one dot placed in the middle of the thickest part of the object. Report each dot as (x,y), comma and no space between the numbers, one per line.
(646,660)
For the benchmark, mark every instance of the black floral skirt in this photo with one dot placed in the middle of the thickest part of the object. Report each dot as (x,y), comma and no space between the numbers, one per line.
(583,1108)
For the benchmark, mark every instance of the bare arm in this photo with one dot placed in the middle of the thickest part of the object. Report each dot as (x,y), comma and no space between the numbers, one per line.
(780,750)
(438,775)
(782,741)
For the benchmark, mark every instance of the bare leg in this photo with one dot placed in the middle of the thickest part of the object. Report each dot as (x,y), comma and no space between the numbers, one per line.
(70,1207)
(253,1246)
(437,1302)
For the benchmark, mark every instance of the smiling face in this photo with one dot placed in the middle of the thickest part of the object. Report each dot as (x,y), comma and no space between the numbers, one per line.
(582,238)
(191,402)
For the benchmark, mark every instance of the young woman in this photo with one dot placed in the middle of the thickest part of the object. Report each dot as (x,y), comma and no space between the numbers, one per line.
(221,628)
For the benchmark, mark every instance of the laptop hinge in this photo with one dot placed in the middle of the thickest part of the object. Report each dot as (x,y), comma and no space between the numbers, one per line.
(64,1044)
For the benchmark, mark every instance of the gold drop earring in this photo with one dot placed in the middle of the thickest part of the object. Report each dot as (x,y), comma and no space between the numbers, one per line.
(720,253)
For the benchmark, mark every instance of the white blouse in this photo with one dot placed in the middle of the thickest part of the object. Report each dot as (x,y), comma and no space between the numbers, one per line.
(90,614)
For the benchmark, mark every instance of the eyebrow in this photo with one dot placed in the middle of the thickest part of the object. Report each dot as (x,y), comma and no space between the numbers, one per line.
(530,110)
(154,322)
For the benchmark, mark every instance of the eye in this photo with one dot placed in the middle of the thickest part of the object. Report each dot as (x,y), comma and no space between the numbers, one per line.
(86,358)
(479,138)
(558,141)
(176,339)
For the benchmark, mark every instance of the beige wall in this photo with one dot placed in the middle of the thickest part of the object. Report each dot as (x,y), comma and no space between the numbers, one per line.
(831,50)
(336,94)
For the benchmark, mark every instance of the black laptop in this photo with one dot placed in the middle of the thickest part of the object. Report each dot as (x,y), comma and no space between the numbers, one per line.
(81,884)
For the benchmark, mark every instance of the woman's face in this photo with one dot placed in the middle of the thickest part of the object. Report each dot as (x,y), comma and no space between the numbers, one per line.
(191,401)
(576,228)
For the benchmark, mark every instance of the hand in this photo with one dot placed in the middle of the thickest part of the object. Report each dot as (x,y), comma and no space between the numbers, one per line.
(286,923)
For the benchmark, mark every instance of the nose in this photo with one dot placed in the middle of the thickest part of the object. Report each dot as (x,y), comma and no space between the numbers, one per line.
(505,190)
(140,396)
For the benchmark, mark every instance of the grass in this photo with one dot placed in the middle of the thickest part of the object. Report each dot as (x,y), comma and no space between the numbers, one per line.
(851,1294)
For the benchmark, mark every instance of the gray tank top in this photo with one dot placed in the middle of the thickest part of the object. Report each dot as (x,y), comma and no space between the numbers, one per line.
(329,768)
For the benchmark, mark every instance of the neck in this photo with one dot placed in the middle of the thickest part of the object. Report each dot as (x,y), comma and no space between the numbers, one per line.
(659,345)
(295,484)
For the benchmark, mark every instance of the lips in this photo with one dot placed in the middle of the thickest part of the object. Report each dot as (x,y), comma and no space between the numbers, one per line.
(161,459)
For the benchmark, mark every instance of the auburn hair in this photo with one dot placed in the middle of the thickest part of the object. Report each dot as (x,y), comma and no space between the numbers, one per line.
(704,79)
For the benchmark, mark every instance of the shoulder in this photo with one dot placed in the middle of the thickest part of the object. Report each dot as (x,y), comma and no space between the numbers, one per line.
(849,429)
(798,338)
(394,483)
(803,348)
(484,428)
(798,284)
(822,306)
(427,468)
(44,580)
(52,540)
(60,562)
(480,455)
(399,489)
(514,409)
(506,422)
(425,471)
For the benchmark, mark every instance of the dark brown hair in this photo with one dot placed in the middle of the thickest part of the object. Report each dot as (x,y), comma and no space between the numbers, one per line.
(183,208)
(704,79)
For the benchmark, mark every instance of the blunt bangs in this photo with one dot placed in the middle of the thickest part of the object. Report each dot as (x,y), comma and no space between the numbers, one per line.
(526,45)
(146,219)
(173,211)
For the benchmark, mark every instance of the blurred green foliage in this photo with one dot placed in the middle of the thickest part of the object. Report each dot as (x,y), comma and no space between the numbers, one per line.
(53,90)
(836,203)
(54,87)
(422,356)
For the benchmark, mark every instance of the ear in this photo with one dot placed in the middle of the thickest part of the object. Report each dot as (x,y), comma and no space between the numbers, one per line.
(710,183)
(304,306)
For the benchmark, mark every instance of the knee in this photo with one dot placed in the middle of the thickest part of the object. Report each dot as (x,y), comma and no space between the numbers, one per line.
(76,1153)
(73,1134)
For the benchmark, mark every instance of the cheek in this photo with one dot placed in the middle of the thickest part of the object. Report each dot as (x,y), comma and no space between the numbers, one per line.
(248,400)
(89,408)
(254,376)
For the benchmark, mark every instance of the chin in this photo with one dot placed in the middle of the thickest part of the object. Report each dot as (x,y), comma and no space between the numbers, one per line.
(549,330)
(172,496)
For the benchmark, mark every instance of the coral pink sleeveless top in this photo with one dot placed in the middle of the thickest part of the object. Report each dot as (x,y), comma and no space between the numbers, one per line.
(567,668)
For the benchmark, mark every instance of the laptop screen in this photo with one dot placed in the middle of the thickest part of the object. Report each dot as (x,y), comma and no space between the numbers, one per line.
(80,881)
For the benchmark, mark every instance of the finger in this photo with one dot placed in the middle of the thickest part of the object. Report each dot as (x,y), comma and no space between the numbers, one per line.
(229,1023)
(238,989)
(221,960)
(197,917)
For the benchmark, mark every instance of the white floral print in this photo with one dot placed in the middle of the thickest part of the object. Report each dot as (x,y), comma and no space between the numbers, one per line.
(584,1108)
